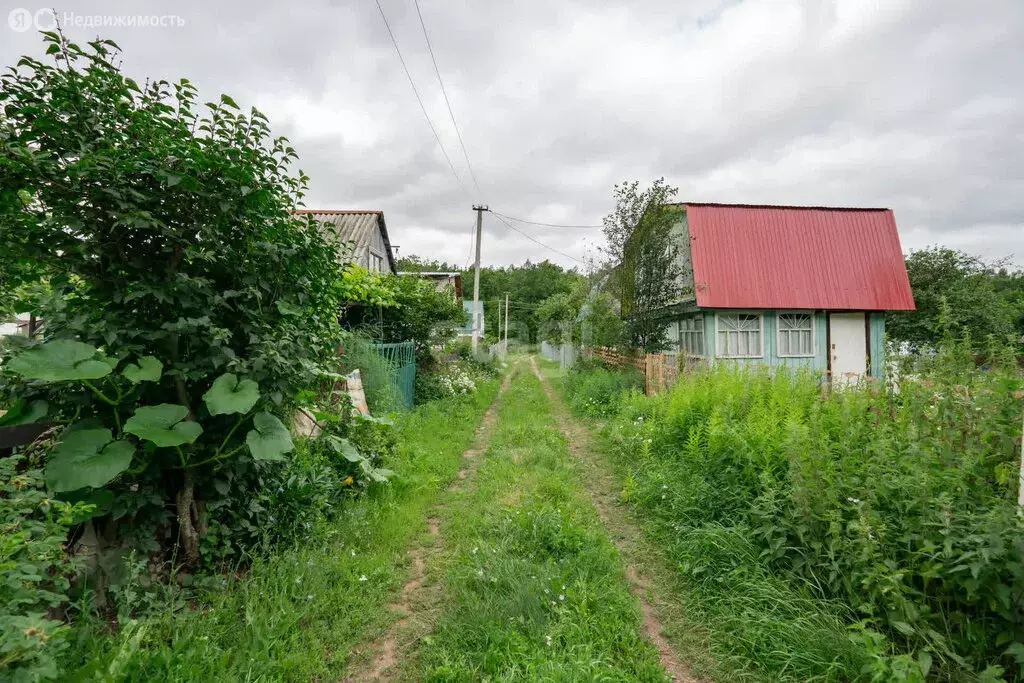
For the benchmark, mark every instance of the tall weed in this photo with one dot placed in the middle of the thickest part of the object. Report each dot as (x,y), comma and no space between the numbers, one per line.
(595,389)
(894,508)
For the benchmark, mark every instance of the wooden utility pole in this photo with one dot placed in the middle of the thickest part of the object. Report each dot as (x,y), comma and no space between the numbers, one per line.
(506,323)
(479,208)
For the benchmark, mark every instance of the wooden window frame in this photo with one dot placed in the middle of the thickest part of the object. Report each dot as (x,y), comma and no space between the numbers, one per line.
(760,336)
(698,329)
(778,332)
(371,262)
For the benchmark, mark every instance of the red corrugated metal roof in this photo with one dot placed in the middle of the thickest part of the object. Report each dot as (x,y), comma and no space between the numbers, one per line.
(747,256)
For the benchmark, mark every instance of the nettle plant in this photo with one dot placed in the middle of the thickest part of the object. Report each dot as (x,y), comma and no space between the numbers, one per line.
(186,303)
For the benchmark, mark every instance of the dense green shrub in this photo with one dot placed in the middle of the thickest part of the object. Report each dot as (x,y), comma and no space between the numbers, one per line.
(35,570)
(899,506)
(596,389)
(166,232)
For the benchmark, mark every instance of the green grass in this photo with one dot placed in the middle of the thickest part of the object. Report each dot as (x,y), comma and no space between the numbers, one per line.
(533,588)
(297,613)
(861,534)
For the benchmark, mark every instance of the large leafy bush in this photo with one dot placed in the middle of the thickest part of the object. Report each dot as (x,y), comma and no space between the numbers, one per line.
(415,310)
(189,305)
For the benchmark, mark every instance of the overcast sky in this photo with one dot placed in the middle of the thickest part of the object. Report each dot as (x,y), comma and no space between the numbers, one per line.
(916,105)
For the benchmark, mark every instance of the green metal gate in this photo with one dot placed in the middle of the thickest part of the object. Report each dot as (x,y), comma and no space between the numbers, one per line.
(402,357)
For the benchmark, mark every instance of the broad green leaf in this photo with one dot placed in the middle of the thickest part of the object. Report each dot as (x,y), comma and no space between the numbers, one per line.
(164,425)
(377,474)
(270,439)
(86,457)
(381,475)
(228,395)
(286,308)
(228,101)
(23,413)
(345,449)
(924,660)
(61,360)
(149,369)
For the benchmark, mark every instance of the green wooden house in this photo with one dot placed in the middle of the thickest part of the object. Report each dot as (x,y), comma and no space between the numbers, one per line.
(803,287)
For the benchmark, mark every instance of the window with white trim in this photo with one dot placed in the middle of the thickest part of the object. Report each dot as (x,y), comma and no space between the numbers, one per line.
(691,335)
(739,335)
(795,335)
(376,263)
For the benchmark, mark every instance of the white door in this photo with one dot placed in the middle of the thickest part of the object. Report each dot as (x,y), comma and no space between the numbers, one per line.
(848,341)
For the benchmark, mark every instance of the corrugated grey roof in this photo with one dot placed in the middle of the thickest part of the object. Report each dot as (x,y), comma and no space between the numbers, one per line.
(354,226)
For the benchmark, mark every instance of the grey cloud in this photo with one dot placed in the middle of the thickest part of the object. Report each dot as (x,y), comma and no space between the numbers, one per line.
(912,104)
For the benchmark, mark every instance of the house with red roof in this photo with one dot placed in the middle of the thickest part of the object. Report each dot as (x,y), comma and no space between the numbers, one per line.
(798,286)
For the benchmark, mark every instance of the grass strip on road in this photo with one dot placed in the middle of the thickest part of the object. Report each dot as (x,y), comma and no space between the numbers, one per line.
(533,587)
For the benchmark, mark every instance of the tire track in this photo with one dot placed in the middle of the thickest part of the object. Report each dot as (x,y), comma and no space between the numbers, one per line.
(385,649)
(600,489)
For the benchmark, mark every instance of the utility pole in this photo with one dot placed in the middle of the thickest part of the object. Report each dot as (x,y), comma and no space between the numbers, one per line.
(479,208)
(506,323)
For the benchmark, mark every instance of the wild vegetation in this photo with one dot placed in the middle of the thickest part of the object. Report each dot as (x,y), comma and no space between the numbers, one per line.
(188,315)
(871,532)
(298,612)
(643,252)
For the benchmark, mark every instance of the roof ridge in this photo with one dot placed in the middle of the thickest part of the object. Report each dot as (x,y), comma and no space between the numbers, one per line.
(784,206)
(333,212)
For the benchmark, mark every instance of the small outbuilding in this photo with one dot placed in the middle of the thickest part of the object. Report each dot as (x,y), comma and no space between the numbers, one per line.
(799,286)
(364,232)
(443,281)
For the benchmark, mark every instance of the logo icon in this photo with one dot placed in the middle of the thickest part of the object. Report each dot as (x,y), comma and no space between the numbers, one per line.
(45,19)
(20,19)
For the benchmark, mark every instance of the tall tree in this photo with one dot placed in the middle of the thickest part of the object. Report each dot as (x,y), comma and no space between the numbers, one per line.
(983,299)
(419,264)
(641,244)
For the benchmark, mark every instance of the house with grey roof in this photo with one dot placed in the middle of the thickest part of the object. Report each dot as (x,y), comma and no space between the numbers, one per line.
(364,232)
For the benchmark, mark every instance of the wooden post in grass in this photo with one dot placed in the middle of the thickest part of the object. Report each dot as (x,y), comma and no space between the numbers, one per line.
(1020,486)
(1020,475)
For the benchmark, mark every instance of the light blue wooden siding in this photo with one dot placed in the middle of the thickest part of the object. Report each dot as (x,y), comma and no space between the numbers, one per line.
(876,337)
(770,320)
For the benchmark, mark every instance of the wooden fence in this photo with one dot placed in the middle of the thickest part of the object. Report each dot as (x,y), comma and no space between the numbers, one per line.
(661,370)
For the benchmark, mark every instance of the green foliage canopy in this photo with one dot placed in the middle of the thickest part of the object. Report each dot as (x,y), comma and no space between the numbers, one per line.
(643,247)
(165,230)
(982,299)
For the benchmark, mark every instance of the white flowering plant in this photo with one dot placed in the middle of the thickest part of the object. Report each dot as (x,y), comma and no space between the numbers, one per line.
(451,379)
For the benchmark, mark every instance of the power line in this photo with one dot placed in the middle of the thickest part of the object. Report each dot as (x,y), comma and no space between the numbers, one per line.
(446,100)
(547,225)
(420,100)
(500,218)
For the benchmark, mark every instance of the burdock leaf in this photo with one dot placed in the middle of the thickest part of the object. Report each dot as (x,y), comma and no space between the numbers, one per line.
(228,395)
(23,413)
(86,457)
(345,449)
(61,360)
(164,425)
(149,369)
(270,439)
